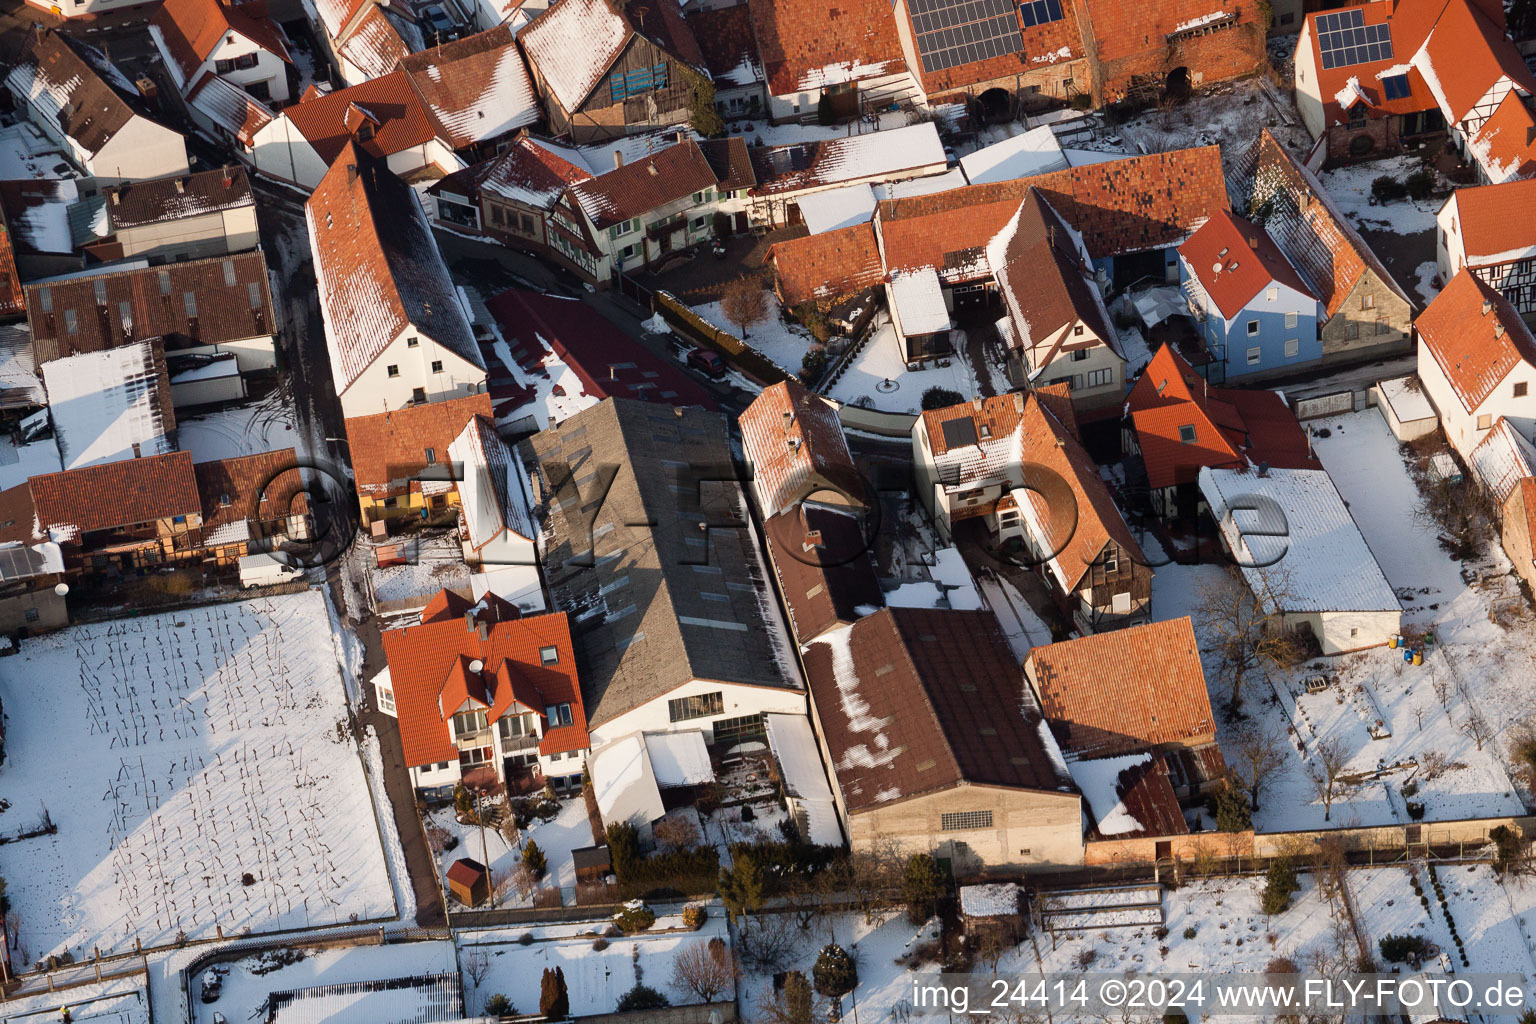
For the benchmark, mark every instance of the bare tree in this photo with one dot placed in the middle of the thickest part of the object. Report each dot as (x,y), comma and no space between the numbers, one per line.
(795,1003)
(707,969)
(1229,612)
(1442,687)
(1419,711)
(677,833)
(1477,728)
(1257,755)
(991,946)
(477,964)
(767,942)
(744,303)
(524,880)
(1326,770)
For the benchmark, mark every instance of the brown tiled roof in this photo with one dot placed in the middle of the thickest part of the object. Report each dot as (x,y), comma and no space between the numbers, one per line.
(157,305)
(389,449)
(117,494)
(192,29)
(1469,52)
(188,195)
(259,487)
(400,118)
(1248,259)
(1126,690)
(528,171)
(1044,46)
(914,701)
(1119,206)
(374,45)
(1147,795)
(1476,337)
(825,574)
(644,185)
(1308,228)
(18,516)
(379,268)
(730,161)
(724,36)
(230,107)
(12,299)
(1123,30)
(662,22)
(475,88)
(91,111)
(806,44)
(794,444)
(829,265)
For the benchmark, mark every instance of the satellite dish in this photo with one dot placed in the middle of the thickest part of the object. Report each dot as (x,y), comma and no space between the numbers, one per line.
(61,589)
(477,665)
(1216,268)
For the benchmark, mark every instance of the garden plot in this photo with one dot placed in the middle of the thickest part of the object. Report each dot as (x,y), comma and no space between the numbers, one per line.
(782,341)
(117,1001)
(246,983)
(1349,186)
(868,381)
(200,773)
(569,830)
(595,978)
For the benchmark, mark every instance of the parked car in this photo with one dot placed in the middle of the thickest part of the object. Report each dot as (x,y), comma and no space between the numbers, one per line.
(706,362)
(437,24)
(262,570)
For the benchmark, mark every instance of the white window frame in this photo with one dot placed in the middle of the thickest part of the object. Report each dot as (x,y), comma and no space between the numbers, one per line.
(1255,355)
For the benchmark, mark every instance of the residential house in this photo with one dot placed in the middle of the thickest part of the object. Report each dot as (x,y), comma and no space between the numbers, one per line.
(1014,464)
(252,503)
(110,404)
(829,63)
(511,196)
(1366,314)
(233,39)
(795,452)
(364,39)
(671,617)
(1178,424)
(1373,76)
(729,49)
(402,460)
(209,213)
(1301,555)
(787,175)
(1477,362)
(821,559)
(1255,313)
(1491,230)
(84,10)
(1009,58)
(823,268)
(423,119)
(394,327)
(214,318)
(88,109)
(606,69)
(30,570)
(228,113)
(119,517)
(496,529)
(1055,325)
(484,694)
(48,222)
(918,713)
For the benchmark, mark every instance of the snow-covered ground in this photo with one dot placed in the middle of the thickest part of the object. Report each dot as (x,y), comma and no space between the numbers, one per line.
(248,982)
(880,360)
(199,771)
(783,341)
(569,830)
(18,464)
(1349,186)
(262,426)
(116,1001)
(437,562)
(595,979)
(1424,281)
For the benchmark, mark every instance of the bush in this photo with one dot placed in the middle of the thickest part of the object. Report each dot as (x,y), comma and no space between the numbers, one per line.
(694,917)
(554,1001)
(1190,932)
(1233,814)
(599,944)
(1279,888)
(1415,809)
(938,398)
(684,872)
(533,859)
(1420,184)
(1507,847)
(642,997)
(834,973)
(1387,188)
(499,1005)
(635,917)
(922,883)
(1397,949)
(1411,788)
(623,848)
(813,363)
(525,939)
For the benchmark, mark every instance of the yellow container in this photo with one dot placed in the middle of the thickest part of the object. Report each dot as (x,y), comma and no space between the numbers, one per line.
(1392,642)
(1418,657)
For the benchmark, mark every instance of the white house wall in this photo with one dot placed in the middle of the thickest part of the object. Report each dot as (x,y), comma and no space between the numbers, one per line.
(1461,426)
(1341,632)
(140,150)
(375,391)
(1308,98)
(270,68)
(212,234)
(281,151)
(739,701)
(1450,246)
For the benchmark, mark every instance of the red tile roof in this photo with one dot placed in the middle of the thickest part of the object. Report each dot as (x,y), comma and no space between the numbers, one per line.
(389,449)
(1146,793)
(1505,146)
(915,701)
(1475,336)
(830,265)
(476,88)
(1406,28)
(794,444)
(261,487)
(374,45)
(1126,690)
(643,185)
(1230,426)
(117,494)
(1234,260)
(1467,53)
(193,29)
(12,298)
(136,203)
(425,659)
(1497,219)
(401,120)
(808,44)
(726,42)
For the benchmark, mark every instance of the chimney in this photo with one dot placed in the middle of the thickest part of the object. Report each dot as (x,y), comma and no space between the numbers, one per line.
(812,540)
(351,173)
(976,403)
(618,159)
(115,197)
(1263,469)
(1253,242)
(677,411)
(229,178)
(485,631)
(652,168)
(469,621)
(1498,330)
(181,186)
(1487,307)
(1018,401)
(789,418)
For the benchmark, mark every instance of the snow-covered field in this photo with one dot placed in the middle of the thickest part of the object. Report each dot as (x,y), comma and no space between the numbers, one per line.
(115,1001)
(248,982)
(262,426)
(595,979)
(199,771)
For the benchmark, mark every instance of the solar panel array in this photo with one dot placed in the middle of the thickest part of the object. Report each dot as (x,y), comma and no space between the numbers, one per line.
(955,32)
(1345,39)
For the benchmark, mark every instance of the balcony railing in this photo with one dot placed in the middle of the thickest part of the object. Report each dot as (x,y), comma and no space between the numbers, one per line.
(510,744)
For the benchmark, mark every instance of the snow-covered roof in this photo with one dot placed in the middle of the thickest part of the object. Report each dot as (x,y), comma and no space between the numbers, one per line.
(952,178)
(837,208)
(917,299)
(476,88)
(679,758)
(79,96)
(494,494)
(230,107)
(1407,399)
(1033,152)
(996,899)
(572,44)
(109,405)
(805,778)
(906,151)
(623,783)
(1293,538)
(1100,782)
(1502,459)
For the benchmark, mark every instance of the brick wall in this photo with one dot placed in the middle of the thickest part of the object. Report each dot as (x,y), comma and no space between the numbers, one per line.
(1215,57)
(1382,132)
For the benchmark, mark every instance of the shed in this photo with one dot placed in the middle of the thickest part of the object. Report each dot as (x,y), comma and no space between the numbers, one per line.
(1405,407)
(997,906)
(593,863)
(469,881)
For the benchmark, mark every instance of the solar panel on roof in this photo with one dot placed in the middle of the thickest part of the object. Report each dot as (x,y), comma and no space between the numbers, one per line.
(1344,39)
(959,432)
(954,32)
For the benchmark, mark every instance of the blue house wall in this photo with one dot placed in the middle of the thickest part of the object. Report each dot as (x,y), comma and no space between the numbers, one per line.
(1230,345)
